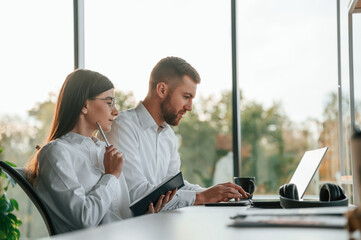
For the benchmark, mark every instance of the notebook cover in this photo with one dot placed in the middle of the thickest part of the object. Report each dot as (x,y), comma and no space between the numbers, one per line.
(140,206)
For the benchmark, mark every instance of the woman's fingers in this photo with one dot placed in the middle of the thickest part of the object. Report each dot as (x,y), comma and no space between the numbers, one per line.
(113,152)
(118,156)
(109,149)
(113,161)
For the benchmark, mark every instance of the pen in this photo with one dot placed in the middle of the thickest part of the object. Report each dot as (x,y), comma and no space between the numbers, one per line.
(101,131)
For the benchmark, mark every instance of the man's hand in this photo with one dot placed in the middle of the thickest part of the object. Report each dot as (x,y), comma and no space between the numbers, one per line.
(353,220)
(220,192)
(162,201)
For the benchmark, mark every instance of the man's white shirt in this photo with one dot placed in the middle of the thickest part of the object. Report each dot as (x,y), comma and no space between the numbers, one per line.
(151,155)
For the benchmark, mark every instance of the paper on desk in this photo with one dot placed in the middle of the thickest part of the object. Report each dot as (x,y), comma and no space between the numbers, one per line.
(291,221)
(329,211)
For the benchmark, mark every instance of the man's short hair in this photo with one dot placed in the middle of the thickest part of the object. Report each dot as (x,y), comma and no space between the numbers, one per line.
(171,71)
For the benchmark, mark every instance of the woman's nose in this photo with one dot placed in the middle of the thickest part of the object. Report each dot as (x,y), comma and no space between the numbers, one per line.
(115,111)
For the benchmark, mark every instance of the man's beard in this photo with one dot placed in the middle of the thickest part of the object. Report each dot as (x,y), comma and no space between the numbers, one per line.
(169,114)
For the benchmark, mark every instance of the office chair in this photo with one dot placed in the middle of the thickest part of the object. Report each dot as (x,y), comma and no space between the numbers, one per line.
(18,176)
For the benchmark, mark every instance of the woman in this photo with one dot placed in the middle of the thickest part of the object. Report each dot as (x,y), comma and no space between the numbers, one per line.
(75,174)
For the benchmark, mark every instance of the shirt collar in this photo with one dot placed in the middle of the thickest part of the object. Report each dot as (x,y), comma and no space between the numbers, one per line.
(146,120)
(78,138)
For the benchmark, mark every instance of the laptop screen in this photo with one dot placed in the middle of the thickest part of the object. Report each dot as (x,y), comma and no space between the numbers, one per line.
(307,168)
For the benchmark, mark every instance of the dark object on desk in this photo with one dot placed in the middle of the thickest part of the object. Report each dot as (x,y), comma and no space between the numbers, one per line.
(141,206)
(266,203)
(34,197)
(302,176)
(325,217)
(331,195)
(247,183)
(242,202)
(291,221)
(356,133)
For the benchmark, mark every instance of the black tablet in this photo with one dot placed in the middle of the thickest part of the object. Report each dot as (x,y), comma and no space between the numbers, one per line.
(141,206)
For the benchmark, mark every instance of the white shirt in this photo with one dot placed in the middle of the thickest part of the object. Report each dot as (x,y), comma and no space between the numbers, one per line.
(72,183)
(151,155)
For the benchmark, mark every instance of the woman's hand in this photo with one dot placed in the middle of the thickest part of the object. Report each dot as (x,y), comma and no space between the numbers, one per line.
(162,201)
(113,161)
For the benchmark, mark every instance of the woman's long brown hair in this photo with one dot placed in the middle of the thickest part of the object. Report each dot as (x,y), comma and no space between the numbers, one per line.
(78,87)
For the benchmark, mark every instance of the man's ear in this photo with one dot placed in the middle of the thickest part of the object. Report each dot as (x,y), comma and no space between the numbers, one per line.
(162,90)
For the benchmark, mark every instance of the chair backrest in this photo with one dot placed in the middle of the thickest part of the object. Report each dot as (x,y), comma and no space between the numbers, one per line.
(43,209)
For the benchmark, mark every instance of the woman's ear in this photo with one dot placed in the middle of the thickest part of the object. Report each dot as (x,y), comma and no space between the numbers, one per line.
(162,90)
(84,110)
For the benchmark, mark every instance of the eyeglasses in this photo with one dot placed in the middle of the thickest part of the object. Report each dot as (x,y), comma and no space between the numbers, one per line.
(111,104)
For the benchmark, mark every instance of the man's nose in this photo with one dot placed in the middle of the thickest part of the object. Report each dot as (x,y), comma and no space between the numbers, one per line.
(188,106)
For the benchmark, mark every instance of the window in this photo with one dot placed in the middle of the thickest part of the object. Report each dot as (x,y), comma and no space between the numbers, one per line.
(36,48)
(353,100)
(287,69)
(356,22)
(125,39)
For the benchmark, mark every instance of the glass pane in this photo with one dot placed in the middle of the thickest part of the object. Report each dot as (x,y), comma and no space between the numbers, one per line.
(356,51)
(356,22)
(36,48)
(288,77)
(125,39)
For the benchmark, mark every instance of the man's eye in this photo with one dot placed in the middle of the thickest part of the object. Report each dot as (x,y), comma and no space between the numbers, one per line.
(109,103)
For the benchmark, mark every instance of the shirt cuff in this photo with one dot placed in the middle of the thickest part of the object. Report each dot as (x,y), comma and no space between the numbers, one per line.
(109,180)
(183,198)
(188,197)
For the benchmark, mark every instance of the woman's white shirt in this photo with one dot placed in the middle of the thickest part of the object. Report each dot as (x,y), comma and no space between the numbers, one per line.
(72,183)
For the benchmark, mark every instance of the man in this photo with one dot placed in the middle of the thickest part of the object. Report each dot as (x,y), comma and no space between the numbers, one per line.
(150,146)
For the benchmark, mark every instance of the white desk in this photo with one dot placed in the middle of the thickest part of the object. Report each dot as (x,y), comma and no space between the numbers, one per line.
(197,222)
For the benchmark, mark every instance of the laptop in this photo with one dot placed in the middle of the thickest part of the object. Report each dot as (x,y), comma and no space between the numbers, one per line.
(302,177)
